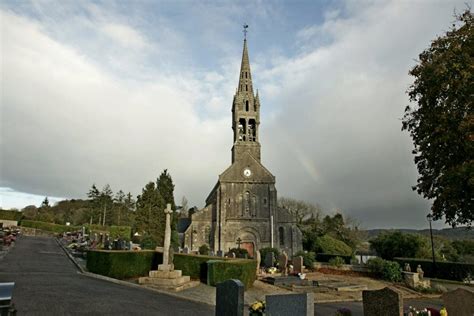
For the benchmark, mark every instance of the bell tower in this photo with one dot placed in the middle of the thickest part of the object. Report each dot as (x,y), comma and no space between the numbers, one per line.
(245,113)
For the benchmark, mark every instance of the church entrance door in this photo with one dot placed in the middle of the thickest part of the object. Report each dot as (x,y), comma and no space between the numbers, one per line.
(249,246)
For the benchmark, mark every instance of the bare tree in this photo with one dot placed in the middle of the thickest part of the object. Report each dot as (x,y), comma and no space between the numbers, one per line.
(301,210)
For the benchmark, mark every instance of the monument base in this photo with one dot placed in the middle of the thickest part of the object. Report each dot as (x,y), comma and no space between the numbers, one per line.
(171,280)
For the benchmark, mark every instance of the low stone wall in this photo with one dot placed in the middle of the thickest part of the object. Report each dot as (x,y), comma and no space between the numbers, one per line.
(344,267)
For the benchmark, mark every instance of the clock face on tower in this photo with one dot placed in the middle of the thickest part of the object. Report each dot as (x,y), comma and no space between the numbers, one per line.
(247,172)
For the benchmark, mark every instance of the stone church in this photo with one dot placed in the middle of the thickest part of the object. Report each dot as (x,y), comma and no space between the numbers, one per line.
(242,209)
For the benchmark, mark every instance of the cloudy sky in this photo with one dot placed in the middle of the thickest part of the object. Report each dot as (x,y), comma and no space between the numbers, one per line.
(115,92)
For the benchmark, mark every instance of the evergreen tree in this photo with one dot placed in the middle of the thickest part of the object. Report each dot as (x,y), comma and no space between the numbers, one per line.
(45,203)
(166,187)
(106,202)
(93,213)
(150,216)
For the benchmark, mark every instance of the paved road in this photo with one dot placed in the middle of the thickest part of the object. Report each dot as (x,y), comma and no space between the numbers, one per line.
(47,283)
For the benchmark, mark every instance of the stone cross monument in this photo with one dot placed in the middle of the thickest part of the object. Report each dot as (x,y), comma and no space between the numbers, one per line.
(167,266)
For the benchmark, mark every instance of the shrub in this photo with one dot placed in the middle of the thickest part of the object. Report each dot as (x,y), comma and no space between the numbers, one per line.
(11,215)
(444,270)
(50,227)
(329,245)
(326,257)
(264,251)
(148,242)
(120,264)
(114,232)
(193,265)
(204,250)
(240,252)
(336,262)
(244,270)
(308,258)
(385,269)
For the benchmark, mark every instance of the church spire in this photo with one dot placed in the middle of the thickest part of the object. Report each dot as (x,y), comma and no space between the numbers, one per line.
(245,80)
(246,112)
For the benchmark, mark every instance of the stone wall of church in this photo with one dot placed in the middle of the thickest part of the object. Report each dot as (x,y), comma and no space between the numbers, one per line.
(241,201)
(201,230)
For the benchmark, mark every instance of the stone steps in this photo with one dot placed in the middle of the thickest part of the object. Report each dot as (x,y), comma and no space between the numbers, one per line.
(164,282)
(175,288)
(165,274)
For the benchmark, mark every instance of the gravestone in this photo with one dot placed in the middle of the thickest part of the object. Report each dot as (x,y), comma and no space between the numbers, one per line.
(211,253)
(384,302)
(290,304)
(459,302)
(258,257)
(269,260)
(220,253)
(186,250)
(282,263)
(230,298)
(298,264)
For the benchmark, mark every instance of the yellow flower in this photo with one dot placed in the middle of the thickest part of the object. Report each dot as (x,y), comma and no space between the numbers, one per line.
(443,312)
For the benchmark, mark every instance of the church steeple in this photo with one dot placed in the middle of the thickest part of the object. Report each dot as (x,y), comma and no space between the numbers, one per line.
(246,113)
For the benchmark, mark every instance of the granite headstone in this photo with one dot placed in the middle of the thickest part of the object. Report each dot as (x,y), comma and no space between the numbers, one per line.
(384,302)
(230,298)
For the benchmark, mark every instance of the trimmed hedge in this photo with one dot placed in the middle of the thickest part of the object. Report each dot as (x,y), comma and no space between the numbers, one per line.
(51,227)
(121,264)
(444,269)
(325,257)
(11,215)
(218,271)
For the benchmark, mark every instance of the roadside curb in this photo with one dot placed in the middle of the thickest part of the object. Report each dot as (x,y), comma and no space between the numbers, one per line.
(137,286)
(120,282)
(70,256)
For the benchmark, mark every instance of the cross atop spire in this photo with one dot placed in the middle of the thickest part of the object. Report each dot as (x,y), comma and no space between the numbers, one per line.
(246,26)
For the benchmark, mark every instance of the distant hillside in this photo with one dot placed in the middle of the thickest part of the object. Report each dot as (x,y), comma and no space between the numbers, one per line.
(450,233)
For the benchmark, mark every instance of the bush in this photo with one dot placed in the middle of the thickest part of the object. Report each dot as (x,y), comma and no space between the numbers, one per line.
(385,269)
(244,270)
(336,262)
(193,265)
(120,264)
(396,244)
(148,242)
(264,251)
(444,270)
(50,227)
(326,257)
(329,245)
(308,258)
(124,232)
(240,252)
(11,215)
(204,250)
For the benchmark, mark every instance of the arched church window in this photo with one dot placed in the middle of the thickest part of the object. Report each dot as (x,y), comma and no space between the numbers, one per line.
(247,105)
(242,129)
(281,235)
(247,203)
(251,130)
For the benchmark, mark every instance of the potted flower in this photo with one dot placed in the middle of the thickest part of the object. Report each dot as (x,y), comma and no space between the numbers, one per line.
(257,308)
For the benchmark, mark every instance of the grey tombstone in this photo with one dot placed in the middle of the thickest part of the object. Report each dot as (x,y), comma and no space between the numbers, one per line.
(186,250)
(384,302)
(459,302)
(269,260)
(290,304)
(282,263)
(220,253)
(211,253)
(298,264)
(230,298)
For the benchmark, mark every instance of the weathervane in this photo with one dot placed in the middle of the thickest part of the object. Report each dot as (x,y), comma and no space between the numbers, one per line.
(246,26)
